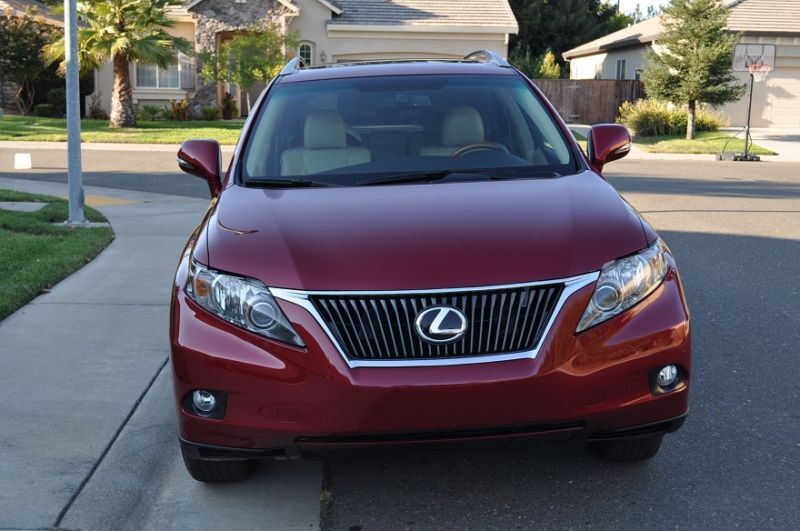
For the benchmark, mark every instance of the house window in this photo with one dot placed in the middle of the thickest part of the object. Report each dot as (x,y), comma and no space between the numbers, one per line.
(306,52)
(621,69)
(176,75)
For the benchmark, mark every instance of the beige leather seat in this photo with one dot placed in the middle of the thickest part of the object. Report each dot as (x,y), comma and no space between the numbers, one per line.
(324,147)
(461,126)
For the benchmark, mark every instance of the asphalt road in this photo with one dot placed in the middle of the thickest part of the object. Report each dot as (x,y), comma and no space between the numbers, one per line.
(735,231)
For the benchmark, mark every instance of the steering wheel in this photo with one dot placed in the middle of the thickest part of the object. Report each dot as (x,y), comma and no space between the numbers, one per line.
(480,146)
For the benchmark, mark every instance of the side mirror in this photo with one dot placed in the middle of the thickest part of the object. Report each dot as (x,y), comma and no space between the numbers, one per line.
(606,143)
(203,158)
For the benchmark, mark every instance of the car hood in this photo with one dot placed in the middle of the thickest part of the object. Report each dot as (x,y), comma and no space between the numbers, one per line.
(444,235)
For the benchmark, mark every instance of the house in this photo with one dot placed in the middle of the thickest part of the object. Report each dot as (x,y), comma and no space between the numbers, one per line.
(776,101)
(18,8)
(330,31)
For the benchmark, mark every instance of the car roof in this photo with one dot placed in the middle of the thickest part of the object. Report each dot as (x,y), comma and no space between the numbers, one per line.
(492,65)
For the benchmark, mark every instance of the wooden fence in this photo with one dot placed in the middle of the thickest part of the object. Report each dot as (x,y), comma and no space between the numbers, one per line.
(589,101)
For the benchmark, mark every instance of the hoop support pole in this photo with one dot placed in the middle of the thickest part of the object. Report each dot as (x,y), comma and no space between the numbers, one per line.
(749,110)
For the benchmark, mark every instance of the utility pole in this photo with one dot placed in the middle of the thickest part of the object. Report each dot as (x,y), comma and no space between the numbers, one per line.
(74,176)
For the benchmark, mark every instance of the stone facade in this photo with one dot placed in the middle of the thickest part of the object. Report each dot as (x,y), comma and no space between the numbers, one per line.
(213,17)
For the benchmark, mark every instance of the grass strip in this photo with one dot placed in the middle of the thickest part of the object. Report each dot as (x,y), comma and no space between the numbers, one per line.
(36,252)
(36,129)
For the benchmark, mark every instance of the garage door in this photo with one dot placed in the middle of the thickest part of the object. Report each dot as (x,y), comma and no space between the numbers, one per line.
(776,101)
(784,97)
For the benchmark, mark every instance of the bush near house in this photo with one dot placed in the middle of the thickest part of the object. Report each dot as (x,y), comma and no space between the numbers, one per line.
(654,118)
(46,110)
(150,113)
(210,113)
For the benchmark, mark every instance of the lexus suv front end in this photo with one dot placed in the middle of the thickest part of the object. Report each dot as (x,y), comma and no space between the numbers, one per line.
(419,251)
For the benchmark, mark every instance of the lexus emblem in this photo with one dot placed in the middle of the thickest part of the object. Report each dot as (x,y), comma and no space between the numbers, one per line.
(440,324)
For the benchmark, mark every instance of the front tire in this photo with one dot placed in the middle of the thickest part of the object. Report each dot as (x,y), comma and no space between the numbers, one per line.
(628,450)
(219,471)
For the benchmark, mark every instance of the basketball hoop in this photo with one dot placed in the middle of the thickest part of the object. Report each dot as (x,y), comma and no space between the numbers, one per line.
(759,71)
(758,60)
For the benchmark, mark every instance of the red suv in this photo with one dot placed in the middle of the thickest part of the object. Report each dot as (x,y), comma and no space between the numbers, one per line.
(419,251)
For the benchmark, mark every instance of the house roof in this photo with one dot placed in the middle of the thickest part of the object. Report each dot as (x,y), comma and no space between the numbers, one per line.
(747,16)
(471,15)
(765,16)
(641,33)
(18,7)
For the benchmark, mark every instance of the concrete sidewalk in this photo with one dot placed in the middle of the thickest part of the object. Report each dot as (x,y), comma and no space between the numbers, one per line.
(89,146)
(77,361)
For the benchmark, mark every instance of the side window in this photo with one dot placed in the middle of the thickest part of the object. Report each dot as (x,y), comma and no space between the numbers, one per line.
(621,69)
(306,52)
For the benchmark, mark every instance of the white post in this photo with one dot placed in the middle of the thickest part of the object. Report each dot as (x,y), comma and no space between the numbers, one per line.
(74,177)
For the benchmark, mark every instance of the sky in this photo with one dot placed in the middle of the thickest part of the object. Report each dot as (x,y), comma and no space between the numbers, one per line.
(628,6)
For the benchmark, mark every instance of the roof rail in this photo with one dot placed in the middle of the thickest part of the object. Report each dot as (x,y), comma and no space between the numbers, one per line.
(487,56)
(293,66)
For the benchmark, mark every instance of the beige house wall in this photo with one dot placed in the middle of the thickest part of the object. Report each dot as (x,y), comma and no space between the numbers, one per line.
(104,77)
(330,44)
(341,45)
(776,101)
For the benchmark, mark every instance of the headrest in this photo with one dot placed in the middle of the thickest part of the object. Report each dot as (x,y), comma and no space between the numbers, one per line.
(324,130)
(462,126)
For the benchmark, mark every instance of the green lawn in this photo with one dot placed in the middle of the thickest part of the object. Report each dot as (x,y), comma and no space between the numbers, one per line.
(31,128)
(35,254)
(705,142)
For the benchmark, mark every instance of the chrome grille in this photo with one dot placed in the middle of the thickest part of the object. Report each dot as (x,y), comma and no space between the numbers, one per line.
(381,327)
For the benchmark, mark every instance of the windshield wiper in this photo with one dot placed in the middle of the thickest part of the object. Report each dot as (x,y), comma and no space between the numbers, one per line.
(286,183)
(432,176)
(428,176)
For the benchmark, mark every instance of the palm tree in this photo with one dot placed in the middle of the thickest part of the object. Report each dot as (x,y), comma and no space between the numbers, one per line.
(123,31)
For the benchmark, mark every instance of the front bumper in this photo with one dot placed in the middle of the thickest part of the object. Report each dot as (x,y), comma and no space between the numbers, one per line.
(595,384)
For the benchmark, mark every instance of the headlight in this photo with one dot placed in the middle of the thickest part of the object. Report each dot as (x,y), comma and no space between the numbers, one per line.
(625,282)
(244,302)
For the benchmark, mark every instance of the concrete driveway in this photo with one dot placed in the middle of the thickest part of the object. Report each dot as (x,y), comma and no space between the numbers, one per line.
(88,437)
(783,141)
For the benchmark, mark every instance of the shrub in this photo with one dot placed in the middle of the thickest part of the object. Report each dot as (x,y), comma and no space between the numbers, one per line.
(149,113)
(179,110)
(549,68)
(95,110)
(525,61)
(210,113)
(229,109)
(654,118)
(57,97)
(46,110)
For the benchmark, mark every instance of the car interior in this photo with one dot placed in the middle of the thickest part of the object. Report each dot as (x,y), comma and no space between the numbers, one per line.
(357,128)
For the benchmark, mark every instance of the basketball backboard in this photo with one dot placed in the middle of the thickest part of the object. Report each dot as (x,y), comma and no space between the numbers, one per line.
(746,55)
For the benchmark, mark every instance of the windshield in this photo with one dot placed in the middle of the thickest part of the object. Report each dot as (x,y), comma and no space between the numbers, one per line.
(376,129)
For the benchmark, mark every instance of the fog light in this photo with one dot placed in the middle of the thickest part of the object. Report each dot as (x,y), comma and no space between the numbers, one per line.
(203,402)
(667,376)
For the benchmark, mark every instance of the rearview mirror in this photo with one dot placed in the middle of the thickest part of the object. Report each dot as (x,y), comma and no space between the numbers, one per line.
(203,158)
(606,143)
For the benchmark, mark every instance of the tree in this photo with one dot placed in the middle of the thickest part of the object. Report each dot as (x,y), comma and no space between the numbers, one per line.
(549,69)
(123,31)
(255,55)
(18,36)
(693,64)
(637,15)
(562,25)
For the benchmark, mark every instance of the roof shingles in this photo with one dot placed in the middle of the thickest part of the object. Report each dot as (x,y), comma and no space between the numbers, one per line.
(436,13)
(747,16)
